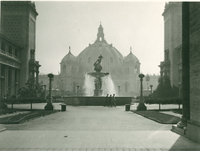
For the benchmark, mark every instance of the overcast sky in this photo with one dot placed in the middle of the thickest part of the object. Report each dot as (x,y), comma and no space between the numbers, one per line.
(133,24)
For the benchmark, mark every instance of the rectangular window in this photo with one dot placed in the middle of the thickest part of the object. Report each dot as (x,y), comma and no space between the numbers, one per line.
(32,54)
(16,75)
(3,70)
(9,81)
(166,55)
(3,46)
(10,50)
(16,52)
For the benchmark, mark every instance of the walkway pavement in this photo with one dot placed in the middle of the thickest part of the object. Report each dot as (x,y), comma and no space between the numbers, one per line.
(93,128)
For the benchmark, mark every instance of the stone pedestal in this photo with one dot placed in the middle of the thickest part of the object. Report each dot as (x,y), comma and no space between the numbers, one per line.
(178,130)
(3,105)
(49,106)
(98,92)
(141,106)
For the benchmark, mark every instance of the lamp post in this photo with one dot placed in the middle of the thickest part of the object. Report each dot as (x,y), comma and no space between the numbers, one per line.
(118,90)
(44,91)
(151,86)
(49,105)
(2,104)
(16,84)
(147,79)
(141,106)
(77,90)
(2,79)
(179,90)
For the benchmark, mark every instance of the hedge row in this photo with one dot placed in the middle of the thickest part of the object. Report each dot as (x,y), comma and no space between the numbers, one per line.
(24,100)
(174,100)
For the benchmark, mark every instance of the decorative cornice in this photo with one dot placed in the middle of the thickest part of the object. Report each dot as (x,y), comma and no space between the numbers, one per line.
(171,6)
(10,41)
(9,61)
(18,5)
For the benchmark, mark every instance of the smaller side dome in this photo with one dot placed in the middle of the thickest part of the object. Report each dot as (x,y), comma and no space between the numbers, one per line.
(69,57)
(131,57)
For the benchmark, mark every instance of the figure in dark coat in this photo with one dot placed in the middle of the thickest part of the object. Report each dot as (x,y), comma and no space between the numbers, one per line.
(106,101)
(113,101)
(110,101)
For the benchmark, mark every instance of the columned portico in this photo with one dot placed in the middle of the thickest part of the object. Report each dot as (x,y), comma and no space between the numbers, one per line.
(17,40)
(6,81)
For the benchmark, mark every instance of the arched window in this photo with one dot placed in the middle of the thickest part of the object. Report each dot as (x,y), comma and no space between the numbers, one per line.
(64,68)
(80,69)
(100,39)
(135,69)
(74,87)
(126,87)
(80,60)
(89,59)
(127,71)
(111,59)
(73,70)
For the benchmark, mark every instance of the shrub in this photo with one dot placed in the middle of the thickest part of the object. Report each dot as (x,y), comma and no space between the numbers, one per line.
(31,89)
(24,100)
(173,100)
(165,90)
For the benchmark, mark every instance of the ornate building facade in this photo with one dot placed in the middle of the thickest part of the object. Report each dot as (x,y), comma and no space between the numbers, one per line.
(182,38)
(17,45)
(123,70)
(171,66)
(150,83)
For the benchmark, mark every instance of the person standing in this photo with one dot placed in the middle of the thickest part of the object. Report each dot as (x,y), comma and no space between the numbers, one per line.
(106,101)
(110,101)
(113,100)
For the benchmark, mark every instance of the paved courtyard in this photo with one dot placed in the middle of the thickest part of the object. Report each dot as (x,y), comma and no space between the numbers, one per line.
(92,128)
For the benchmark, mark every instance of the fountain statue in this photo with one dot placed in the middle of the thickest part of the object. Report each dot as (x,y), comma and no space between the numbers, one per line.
(98,75)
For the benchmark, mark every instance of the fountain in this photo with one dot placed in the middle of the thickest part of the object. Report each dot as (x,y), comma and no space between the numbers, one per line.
(98,76)
(93,86)
(108,86)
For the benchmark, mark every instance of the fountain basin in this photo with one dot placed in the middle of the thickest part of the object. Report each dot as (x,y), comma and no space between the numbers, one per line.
(94,101)
(98,74)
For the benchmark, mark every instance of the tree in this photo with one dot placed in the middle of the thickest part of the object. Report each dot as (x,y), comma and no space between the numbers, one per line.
(31,89)
(164,89)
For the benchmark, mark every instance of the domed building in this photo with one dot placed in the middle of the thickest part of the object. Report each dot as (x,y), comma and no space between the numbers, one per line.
(124,71)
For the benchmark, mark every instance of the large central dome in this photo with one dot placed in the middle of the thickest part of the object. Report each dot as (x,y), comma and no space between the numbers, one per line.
(123,70)
(112,58)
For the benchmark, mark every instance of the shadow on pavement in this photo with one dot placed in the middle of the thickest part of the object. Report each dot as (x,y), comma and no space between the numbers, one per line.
(185,144)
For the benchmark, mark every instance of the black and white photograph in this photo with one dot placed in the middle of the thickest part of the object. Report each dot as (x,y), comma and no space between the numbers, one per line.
(99,75)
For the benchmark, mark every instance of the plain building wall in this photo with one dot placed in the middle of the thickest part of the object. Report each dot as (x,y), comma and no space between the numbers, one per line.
(193,126)
(173,36)
(195,61)
(0,17)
